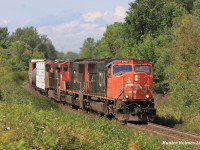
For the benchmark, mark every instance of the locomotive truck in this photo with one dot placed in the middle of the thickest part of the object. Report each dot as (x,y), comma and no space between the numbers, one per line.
(118,87)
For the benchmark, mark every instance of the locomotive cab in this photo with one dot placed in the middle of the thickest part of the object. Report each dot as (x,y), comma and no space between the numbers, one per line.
(130,80)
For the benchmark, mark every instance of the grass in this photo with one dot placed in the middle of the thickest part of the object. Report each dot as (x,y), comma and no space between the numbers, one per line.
(172,114)
(29,121)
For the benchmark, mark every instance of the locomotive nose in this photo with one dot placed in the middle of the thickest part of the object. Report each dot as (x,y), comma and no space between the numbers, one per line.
(137,86)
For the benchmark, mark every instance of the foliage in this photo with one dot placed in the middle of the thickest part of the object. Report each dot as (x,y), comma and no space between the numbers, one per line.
(184,71)
(69,55)
(187,4)
(35,41)
(4,38)
(111,44)
(17,56)
(196,9)
(151,17)
(87,51)
(170,113)
(17,50)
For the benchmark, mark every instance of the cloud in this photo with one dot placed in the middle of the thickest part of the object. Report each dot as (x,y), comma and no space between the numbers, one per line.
(109,17)
(103,30)
(67,27)
(120,12)
(70,35)
(88,26)
(3,22)
(92,16)
(60,29)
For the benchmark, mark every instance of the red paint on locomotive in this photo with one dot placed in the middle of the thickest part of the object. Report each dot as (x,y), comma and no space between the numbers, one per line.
(128,80)
(64,74)
(86,86)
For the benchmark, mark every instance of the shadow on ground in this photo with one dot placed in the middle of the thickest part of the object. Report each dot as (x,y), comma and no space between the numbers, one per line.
(169,121)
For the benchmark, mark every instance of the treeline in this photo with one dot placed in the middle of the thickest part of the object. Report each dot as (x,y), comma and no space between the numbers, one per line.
(167,33)
(17,49)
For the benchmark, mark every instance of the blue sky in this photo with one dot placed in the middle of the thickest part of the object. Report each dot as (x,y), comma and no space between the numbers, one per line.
(66,22)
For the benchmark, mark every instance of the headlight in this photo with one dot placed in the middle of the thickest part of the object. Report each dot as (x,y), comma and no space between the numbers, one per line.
(126,96)
(147,96)
(136,77)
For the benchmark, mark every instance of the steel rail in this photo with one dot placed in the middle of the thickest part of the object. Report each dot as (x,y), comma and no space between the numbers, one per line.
(167,132)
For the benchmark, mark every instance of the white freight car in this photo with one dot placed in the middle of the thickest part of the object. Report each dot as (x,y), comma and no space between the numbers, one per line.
(40,74)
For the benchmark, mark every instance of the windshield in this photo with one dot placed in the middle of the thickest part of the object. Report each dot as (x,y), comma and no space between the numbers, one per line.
(124,68)
(146,69)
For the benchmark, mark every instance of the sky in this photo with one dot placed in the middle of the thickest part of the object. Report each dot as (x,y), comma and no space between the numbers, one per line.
(67,23)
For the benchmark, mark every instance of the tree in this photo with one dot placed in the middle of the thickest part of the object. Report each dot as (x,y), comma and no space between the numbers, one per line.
(151,17)
(184,72)
(111,44)
(29,35)
(187,4)
(196,9)
(35,41)
(102,49)
(21,55)
(45,46)
(4,38)
(87,51)
(69,55)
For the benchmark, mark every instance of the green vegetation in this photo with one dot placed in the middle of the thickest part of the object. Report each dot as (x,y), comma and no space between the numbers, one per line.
(29,121)
(187,120)
(34,41)
(25,43)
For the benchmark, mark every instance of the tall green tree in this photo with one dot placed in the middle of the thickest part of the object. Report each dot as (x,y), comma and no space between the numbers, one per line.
(184,72)
(196,8)
(69,55)
(87,51)
(187,4)
(111,44)
(29,35)
(35,41)
(4,37)
(151,17)
(20,56)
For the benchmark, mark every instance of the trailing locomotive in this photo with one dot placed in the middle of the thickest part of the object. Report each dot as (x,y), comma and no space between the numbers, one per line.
(117,87)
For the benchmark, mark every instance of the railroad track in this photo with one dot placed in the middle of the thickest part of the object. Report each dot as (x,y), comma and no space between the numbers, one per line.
(170,133)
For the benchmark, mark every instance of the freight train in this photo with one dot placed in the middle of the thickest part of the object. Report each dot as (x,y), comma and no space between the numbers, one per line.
(121,88)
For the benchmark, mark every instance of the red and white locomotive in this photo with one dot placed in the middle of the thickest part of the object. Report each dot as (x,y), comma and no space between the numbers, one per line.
(117,87)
